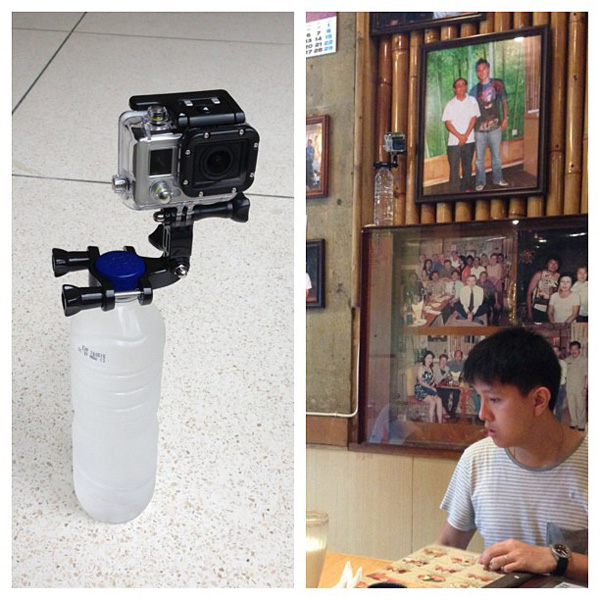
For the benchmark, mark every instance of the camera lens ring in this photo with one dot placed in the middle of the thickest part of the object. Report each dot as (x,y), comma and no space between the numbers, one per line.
(217,162)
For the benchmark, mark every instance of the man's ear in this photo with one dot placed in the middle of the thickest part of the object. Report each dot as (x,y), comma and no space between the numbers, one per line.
(541,399)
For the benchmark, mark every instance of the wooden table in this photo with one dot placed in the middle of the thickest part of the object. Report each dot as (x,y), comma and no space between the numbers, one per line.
(336,561)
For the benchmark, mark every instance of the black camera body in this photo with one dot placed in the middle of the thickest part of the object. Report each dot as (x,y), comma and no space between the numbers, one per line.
(183,149)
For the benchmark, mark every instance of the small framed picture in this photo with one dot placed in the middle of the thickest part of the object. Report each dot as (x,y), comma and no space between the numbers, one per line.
(317,154)
(386,23)
(315,273)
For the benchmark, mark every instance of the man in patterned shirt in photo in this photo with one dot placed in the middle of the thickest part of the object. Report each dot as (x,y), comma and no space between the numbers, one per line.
(524,487)
(490,94)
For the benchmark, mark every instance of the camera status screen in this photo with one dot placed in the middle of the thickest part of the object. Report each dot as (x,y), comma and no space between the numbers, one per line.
(161,161)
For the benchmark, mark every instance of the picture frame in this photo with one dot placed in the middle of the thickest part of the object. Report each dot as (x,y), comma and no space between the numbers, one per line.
(315,273)
(317,156)
(394,344)
(467,86)
(383,23)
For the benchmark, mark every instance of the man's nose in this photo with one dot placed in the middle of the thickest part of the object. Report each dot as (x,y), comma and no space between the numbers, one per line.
(485,413)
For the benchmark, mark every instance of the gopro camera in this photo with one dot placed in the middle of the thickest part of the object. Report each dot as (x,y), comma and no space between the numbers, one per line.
(184,149)
(394,143)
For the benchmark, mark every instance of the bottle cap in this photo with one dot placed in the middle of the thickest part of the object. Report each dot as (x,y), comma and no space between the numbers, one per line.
(122,268)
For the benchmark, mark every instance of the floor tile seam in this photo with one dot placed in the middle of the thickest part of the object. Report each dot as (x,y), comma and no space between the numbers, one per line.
(48,63)
(183,39)
(95,181)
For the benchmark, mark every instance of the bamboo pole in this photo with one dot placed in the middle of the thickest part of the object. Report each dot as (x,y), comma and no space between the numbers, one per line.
(428,210)
(502,21)
(384,97)
(575,107)
(412,210)
(463,211)
(535,204)
(400,57)
(482,207)
(558,97)
(584,164)
(443,210)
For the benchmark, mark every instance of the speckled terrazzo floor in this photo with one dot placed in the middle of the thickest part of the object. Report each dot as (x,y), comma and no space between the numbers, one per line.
(221,514)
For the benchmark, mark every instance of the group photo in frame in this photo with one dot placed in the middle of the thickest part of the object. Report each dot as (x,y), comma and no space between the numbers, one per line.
(553,276)
(317,152)
(430,400)
(414,340)
(483,107)
(457,282)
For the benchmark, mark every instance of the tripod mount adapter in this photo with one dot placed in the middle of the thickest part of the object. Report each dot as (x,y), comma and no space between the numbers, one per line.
(123,274)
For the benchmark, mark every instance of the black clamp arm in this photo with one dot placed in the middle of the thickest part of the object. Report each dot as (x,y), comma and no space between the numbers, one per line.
(173,237)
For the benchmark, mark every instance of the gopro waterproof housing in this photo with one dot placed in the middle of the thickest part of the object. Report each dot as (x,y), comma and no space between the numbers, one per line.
(184,149)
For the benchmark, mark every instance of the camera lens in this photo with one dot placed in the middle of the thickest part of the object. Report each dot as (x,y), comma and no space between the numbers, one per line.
(217,162)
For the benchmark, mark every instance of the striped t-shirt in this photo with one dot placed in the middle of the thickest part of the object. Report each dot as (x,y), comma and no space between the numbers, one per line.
(492,492)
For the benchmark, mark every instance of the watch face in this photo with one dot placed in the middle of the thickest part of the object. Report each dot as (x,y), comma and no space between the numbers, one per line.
(561,550)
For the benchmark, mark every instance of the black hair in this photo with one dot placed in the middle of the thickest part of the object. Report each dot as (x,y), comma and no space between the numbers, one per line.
(515,356)
(427,353)
(482,61)
(569,275)
(575,343)
(460,79)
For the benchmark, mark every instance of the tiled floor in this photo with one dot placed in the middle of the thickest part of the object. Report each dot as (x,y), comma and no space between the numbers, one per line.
(222,509)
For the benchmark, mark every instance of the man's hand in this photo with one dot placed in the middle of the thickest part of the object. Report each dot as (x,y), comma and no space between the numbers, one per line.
(512,555)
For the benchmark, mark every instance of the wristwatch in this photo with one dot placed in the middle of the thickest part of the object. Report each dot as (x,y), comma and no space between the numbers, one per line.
(562,554)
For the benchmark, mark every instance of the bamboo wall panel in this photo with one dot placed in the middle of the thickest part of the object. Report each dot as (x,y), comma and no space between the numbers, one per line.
(567,149)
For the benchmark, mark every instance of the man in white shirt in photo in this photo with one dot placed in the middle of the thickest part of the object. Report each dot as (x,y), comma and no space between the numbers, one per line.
(470,305)
(459,116)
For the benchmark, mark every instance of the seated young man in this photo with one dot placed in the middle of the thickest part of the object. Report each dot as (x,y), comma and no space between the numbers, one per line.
(524,486)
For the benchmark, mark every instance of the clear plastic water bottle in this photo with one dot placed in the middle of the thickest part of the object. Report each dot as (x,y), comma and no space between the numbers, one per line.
(384,195)
(116,366)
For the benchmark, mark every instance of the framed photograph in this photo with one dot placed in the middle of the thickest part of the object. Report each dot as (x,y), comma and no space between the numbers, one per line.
(553,276)
(315,273)
(383,23)
(429,293)
(317,156)
(483,111)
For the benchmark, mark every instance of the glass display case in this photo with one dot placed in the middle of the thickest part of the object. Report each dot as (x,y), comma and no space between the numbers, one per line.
(430,292)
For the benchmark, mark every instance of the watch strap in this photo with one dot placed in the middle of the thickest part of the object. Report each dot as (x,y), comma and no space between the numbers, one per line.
(561,566)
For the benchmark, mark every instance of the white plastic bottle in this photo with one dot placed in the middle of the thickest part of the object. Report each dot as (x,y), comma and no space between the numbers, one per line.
(384,195)
(116,366)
